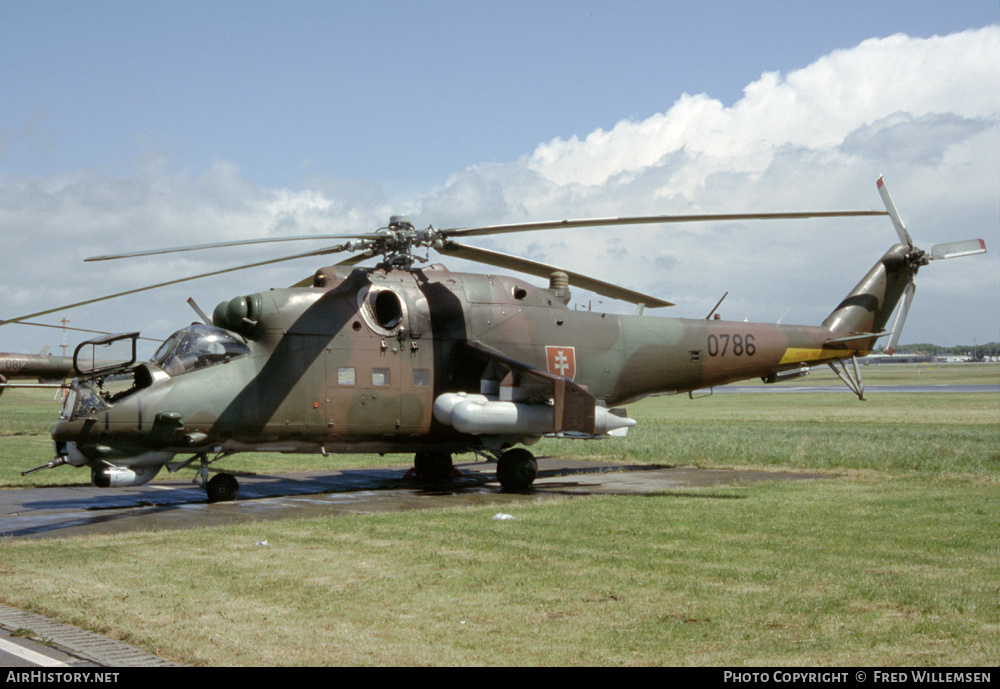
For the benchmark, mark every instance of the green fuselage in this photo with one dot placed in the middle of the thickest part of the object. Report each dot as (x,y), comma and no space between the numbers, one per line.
(357,364)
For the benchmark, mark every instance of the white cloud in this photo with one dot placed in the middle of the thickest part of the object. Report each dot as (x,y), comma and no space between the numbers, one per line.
(814,108)
(926,112)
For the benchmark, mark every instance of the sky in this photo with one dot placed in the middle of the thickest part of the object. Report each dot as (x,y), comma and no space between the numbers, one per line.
(128,126)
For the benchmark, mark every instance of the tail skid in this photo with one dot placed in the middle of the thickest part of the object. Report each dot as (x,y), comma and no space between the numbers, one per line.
(850,377)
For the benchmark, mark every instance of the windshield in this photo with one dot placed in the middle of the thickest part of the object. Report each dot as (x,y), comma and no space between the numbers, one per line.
(81,400)
(197,346)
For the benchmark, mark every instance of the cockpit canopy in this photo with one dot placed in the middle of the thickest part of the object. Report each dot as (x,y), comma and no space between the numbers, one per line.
(198,346)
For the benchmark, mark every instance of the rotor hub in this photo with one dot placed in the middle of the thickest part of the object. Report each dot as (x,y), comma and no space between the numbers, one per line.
(399,239)
(916,259)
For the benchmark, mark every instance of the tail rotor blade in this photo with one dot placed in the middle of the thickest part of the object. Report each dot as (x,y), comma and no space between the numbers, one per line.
(969,247)
(897,222)
(897,326)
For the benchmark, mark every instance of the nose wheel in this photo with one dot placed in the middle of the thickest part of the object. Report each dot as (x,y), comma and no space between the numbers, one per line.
(221,487)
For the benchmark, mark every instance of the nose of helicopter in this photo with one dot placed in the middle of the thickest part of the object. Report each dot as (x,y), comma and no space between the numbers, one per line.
(67,451)
(70,438)
(65,430)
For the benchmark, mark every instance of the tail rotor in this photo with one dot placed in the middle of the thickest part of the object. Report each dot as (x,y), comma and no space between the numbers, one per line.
(917,258)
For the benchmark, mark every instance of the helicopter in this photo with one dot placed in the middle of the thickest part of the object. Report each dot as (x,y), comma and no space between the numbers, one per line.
(404,359)
(40,367)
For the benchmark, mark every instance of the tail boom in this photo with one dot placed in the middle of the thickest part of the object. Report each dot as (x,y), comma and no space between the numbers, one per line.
(866,310)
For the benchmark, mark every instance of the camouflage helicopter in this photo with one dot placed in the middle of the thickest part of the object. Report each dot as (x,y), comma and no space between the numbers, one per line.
(422,360)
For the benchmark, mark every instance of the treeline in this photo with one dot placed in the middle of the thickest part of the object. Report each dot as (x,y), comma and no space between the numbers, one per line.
(981,350)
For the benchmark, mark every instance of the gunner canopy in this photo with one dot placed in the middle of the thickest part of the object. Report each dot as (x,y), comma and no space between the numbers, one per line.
(197,346)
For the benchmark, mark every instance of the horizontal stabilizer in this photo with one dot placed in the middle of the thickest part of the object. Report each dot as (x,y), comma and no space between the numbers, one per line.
(969,247)
(859,336)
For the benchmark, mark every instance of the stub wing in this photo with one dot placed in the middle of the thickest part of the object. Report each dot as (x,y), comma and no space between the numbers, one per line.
(518,399)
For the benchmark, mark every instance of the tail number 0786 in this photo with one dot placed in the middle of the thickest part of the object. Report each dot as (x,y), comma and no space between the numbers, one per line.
(736,345)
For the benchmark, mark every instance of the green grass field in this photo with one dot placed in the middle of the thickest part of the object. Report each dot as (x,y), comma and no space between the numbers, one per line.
(893,560)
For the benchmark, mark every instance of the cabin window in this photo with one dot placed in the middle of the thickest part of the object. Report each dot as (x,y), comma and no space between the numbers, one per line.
(421,377)
(345,375)
(380,377)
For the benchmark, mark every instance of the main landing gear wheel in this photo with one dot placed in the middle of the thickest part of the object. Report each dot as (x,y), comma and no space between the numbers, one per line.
(222,488)
(433,466)
(517,469)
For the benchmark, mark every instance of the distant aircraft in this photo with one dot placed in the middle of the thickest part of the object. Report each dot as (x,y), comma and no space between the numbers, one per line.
(40,367)
(47,370)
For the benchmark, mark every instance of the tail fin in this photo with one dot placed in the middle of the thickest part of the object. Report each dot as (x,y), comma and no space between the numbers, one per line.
(867,308)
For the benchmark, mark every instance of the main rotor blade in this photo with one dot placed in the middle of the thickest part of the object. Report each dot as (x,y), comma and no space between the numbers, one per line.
(648,220)
(66,327)
(319,252)
(239,242)
(523,265)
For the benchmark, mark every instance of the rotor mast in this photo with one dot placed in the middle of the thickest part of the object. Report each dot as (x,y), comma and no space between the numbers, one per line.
(401,239)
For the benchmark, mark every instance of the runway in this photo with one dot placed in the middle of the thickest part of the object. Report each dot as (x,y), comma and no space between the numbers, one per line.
(179,504)
(869,389)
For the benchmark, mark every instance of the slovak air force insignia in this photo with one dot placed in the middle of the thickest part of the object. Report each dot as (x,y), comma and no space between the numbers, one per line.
(561,361)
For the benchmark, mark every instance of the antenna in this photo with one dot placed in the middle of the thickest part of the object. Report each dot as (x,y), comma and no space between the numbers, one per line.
(717,305)
(64,346)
